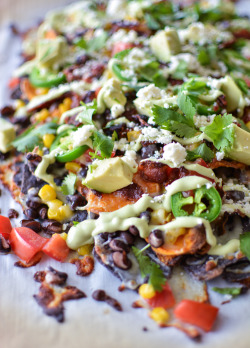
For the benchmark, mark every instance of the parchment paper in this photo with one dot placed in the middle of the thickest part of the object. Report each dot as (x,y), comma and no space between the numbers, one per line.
(87,324)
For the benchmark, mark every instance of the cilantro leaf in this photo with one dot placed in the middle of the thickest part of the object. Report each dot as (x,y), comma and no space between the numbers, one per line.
(33,137)
(220,132)
(173,121)
(68,185)
(95,44)
(202,151)
(152,73)
(151,269)
(229,291)
(186,106)
(245,244)
(243,85)
(203,57)
(102,144)
(86,115)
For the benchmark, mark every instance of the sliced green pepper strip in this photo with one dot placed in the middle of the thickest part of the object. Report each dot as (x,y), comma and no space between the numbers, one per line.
(207,203)
(71,155)
(57,140)
(117,70)
(45,81)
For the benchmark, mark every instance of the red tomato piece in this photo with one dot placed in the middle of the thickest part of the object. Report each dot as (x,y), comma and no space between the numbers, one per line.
(200,314)
(201,162)
(26,243)
(164,299)
(56,248)
(13,82)
(121,46)
(5,227)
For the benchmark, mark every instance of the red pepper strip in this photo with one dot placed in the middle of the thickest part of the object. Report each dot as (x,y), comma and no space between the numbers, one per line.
(196,313)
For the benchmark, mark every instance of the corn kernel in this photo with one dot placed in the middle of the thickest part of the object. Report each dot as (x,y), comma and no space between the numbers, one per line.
(160,315)
(54,209)
(39,152)
(47,193)
(67,102)
(72,167)
(248,124)
(85,249)
(133,135)
(63,235)
(64,212)
(48,140)
(158,217)
(146,291)
(42,91)
(19,104)
(42,115)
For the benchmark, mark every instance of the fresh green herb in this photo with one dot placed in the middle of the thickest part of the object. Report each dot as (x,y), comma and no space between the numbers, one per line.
(151,269)
(95,44)
(68,185)
(152,73)
(202,151)
(173,121)
(245,244)
(181,70)
(103,146)
(33,137)
(243,85)
(115,136)
(151,22)
(86,115)
(185,104)
(122,54)
(203,57)
(75,223)
(228,291)
(221,132)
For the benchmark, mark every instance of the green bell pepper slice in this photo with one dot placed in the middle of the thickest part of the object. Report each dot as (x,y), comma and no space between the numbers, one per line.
(207,203)
(117,70)
(71,155)
(46,81)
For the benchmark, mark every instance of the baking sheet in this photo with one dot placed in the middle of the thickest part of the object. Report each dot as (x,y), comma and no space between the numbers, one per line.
(87,323)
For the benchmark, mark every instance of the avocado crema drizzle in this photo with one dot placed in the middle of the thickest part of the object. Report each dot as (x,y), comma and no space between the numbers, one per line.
(127,216)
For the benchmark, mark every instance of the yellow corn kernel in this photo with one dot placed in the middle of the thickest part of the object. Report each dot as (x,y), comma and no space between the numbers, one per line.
(158,217)
(133,135)
(63,235)
(53,211)
(19,104)
(248,124)
(42,91)
(146,291)
(42,115)
(159,314)
(48,140)
(64,212)
(85,249)
(47,193)
(72,167)
(67,102)
(39,152)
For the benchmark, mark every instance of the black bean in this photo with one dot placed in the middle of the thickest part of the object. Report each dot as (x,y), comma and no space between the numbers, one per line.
(16,94)
(83,171)
(52,226)
(235,195)
(127,237)
(118,245)
(156,239)
(133,230)
(31,156)
(104,236)
(145,215)
(13,214)
(33,224)
(31,213)
(43,212)
(148,151)
(121,260)
(34,204)
(77,200)
(80,216)
(7,111)
(99,295)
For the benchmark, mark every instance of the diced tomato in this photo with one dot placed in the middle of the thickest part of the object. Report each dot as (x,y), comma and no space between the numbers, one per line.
(56,248)
(201,162)
(200,314)
(247,80)
(14,82)
(5,227)
(121,46)
(26,243)
(97,91)
(164,299)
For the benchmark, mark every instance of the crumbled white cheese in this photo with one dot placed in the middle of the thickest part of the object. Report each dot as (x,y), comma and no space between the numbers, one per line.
(130,159)
(175,153)
(117,110)
(150,92)
(122,36)
(136,58)
(220,155)
(81,135)
(203,121)
(162,136)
